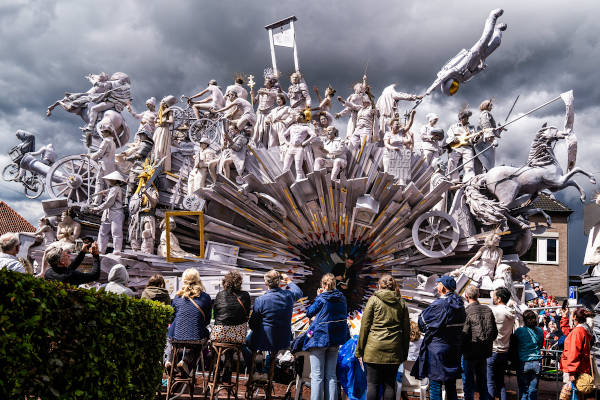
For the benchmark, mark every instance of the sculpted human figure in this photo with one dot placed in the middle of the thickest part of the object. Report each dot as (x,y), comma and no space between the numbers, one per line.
(234,152)
(131,160)
(431,139)
(334,150)
(141,218)
(298,92)
(592,249)
(490,136)
(45,231)
(461,136)
(325,104)
(468,63)
(398,142)
(67,231)
(484,262)
(266,102)
(238,87)
(175,250)
(238,111)
(214,100)
(105,156)
(279,119)
(113,217)
(205,162)
(115,98)
(387,105)
(300,135)
(352,104)
(367,126)
(78,102)
(147,118)
(47,154)
(162,134)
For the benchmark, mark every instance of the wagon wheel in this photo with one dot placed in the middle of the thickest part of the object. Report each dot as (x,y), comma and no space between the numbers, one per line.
(73,177)
(33,185)
(10,172)
(435,234)
(206,127)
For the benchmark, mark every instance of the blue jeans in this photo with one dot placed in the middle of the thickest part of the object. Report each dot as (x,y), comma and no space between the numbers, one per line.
(528,373)
(474,378)
(496,368)
(323,379)
(435,390)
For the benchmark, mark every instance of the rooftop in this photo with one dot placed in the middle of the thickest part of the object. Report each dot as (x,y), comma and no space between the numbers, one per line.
(12,221)
(546,203)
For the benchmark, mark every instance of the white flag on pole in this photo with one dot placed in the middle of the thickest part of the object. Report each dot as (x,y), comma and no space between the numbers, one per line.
(284,38)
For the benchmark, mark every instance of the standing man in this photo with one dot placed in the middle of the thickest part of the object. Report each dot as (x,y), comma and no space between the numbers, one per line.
(112,214)
(299,135)
(439,355)
(478,335)
(460,138)
(487,124)
(266,102)
(431,139)
(298,92)
(105,156)
(147,118)
(9,247)
(496,365)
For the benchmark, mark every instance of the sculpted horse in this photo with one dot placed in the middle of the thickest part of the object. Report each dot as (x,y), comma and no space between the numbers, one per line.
(114,122)
(492,195)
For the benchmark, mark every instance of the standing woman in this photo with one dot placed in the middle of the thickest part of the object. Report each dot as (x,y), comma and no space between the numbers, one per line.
(328,331)
(398,143)
(279,119)
(575,359)
(192,316)
(529,343)
(162,134)
(384,338)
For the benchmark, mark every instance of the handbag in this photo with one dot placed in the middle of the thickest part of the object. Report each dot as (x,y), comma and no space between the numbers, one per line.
(229,333)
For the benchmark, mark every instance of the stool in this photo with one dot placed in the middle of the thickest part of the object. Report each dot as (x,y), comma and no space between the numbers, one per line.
(191,379)
(214,386)
(267,386)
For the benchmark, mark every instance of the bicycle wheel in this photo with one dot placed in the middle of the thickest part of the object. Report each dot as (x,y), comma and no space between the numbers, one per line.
(33,186)
(10,172)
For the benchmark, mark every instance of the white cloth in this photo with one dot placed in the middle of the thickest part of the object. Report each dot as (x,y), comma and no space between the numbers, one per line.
(11,263)
(505,321)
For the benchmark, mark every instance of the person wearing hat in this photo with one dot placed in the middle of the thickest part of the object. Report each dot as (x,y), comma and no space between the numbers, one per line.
(214,100)
(431,139)
(205,162)
(440,352)
(162,134)
(147,118)
(112,214)
(461,136)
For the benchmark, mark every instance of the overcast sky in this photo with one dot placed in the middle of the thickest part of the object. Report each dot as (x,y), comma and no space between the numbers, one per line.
(176,47)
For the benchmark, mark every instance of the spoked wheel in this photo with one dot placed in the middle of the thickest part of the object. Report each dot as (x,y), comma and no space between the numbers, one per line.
(435,234)
(33,185)
(206,127)
(73,177)
(10,172)
(182,116)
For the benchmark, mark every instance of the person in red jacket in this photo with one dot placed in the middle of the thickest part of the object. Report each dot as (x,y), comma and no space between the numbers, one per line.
(575,359)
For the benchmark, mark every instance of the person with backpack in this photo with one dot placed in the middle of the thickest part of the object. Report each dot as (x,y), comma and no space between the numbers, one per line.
(529,340)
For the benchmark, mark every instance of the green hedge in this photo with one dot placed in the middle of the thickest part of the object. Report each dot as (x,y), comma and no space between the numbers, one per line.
(57,341)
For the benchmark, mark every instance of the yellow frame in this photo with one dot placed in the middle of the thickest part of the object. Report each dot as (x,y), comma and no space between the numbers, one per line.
(170,214)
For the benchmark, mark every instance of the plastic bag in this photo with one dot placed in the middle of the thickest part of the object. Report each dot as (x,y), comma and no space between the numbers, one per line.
(350,373)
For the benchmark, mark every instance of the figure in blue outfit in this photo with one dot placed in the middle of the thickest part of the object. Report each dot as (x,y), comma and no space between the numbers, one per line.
(439,356)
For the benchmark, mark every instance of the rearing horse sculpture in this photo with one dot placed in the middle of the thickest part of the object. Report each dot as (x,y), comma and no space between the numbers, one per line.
(513,187)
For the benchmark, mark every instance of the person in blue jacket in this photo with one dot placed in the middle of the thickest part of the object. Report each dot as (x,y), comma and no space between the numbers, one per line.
(271,319)
(328,331)
(439,355)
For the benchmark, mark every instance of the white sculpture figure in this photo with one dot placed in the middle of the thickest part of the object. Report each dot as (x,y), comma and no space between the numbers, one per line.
(175,250)
(483,265)
(503,278)
(147,118)
(234,152)
(240,112)
(300,135)
(162,134)
(105,155)
(367,126)
(352,104)
(398,143)
(214,100)
(148,238)
(130,160)
(45,231)
(431,139)
(387,105)
(141,213)
(78,102)
(47,154)
(325,120)
(334,149)
(279,119)
(298,92)
(592,249)
(490,135)
(112,214)
(467,63)
(461,135)
(325,104)
(238,87)
(438,176)
(266,101)
(205,162)
(115,98)
(67,231)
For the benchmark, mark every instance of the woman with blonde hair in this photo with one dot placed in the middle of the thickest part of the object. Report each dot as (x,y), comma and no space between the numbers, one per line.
(192,315)
(326,333)
(384,338)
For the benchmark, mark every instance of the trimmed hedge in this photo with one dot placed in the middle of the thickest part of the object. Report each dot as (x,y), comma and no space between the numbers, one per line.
(60,342)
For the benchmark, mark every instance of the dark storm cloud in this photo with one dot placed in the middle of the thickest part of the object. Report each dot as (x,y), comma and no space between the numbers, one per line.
(175,47)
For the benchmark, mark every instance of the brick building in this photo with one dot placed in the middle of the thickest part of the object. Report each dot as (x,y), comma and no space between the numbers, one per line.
(548,257)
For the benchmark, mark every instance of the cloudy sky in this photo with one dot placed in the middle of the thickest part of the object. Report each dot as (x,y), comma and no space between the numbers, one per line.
(176,47)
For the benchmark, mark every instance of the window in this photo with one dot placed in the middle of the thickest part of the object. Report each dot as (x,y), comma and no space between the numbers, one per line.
(543,250)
